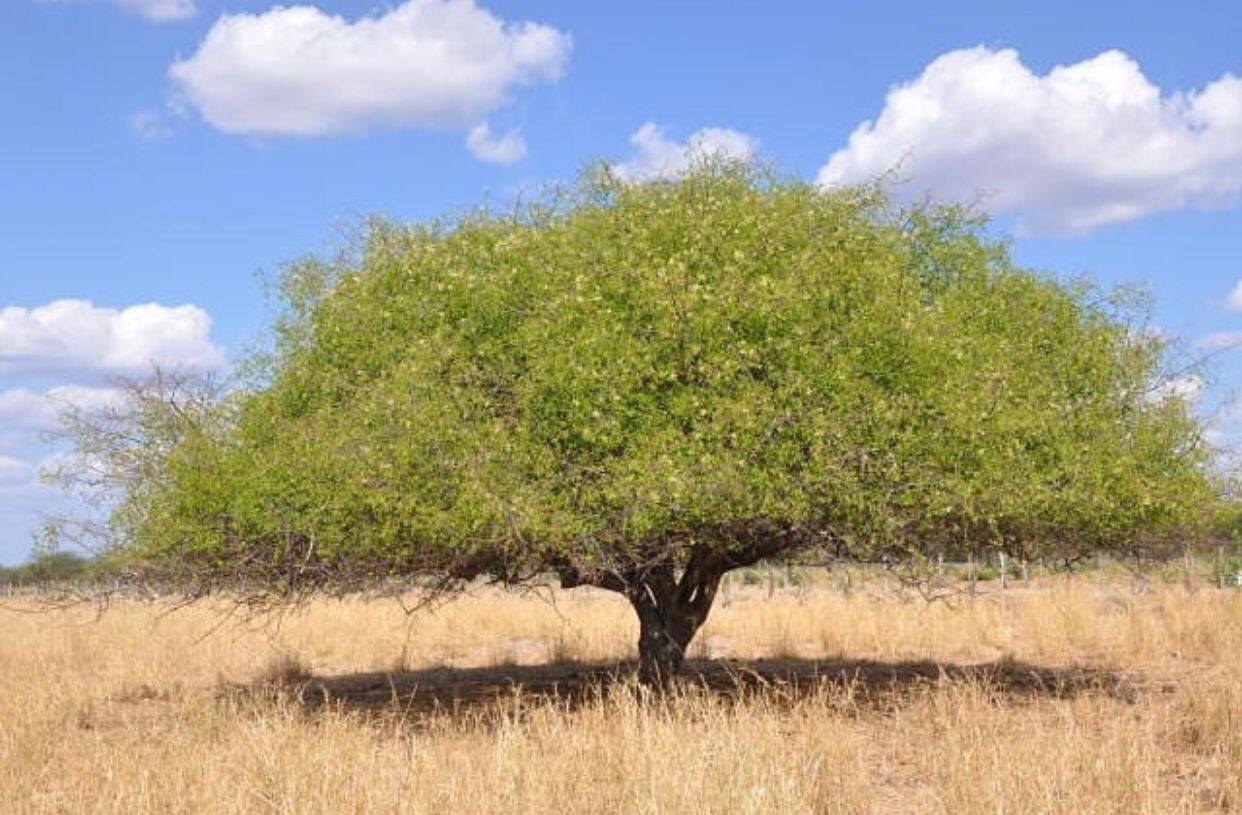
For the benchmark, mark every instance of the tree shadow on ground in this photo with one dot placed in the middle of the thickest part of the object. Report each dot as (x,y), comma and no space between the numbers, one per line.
(458,691)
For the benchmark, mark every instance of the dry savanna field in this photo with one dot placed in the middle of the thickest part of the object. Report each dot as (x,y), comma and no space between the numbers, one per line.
(1090,694)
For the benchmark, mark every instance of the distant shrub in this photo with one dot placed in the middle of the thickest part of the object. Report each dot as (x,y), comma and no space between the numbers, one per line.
(49,567)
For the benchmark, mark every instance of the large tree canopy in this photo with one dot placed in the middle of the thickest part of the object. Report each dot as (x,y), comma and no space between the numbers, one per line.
(640,387)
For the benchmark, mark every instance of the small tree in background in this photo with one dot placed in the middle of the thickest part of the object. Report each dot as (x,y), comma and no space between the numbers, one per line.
(49,568)
(643,387)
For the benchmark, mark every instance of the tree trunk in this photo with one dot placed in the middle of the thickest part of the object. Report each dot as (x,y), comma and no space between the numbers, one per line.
(669,614)
(661,645)
(671,609)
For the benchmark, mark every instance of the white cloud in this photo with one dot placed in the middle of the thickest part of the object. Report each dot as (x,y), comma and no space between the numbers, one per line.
(14,470)
(73,343)
(1234,301)
(25,498)
(297,71)
(25,411)
(77,336)
(658,156)
(150,127)
(1224,433)
(1188,388)
(159,11)
(1220,341)
(507,149)
(1087,144)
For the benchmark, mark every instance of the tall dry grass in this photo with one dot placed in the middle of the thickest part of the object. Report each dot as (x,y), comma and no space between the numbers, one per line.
(127,712)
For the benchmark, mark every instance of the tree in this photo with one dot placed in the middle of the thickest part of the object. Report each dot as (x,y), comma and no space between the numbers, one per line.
(642,387)
(46,568)
(121,453)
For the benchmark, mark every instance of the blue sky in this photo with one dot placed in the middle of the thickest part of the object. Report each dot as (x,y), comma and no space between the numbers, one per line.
(157,155)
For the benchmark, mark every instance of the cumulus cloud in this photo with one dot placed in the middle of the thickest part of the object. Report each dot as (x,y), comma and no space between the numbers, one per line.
(298,71)
(1234,301)
(159,11)
(658,156)
(68,345)
(23,411)
(1084,145)
(76,336)
(507,149)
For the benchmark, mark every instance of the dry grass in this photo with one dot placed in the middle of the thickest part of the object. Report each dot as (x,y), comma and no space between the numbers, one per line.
(138,711)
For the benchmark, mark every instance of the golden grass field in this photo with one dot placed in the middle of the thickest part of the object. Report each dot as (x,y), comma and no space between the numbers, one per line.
(1083,695)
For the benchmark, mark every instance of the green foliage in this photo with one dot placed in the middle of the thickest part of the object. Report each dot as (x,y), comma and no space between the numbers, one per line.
(986,572)
(49,567)
(626,373)
(126,455)
(1228,572)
